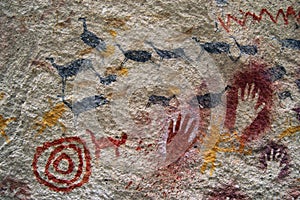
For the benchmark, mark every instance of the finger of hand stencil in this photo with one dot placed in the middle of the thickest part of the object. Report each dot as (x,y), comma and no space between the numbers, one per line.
(171,127)
(251,89)
(185,122)
(192,127)
(239,95)
(246,92)
(177,126)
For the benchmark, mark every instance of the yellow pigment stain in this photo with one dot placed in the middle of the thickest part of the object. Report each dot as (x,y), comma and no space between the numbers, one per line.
(289,132)
(117,70)
(109,51)
(3,124)
(174,90)
(113,33)
(50,118)
(85,51)
(212,146)
(2,95)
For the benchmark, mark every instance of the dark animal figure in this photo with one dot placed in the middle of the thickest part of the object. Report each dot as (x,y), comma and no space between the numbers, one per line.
(135,55)
(168,54)
(90,38)
(221,2)
(211,100)
(215,47)
(108,80)
(289,43)
(160,100)
(76,66)
(245,49)
(86,104)
(285,94)
(298,83)
(71,69)
(275,73)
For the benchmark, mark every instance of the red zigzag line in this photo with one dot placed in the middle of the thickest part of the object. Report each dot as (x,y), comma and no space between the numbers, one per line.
(290,11)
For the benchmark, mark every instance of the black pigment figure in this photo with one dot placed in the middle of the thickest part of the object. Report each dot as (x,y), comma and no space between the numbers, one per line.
(245,49)
(76,66)
(169,54)
(86,104)
(275,73)
(90,38)
(135,55)
(215,47)
(284,95)
(160,100)
(289,43)
(211,100)
(71,69)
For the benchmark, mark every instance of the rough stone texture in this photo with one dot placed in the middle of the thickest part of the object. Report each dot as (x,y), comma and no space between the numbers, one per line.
(159,159)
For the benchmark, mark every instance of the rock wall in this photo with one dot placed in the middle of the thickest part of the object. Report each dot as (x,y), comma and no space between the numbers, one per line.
(149,99)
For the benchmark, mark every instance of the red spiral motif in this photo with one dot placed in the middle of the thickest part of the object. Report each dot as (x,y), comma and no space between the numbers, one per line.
(62,150)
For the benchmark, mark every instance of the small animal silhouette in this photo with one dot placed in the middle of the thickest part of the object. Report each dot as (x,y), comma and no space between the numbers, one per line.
(105,142)
(161,100)
(285,94)
(85,104)
(168,54)
(75,67)
(215,47)
(135,55)
(289,43)
(245,49)
(51,117)
(211,100)
(275,73)
(90,38)
(108,80)
(3,124)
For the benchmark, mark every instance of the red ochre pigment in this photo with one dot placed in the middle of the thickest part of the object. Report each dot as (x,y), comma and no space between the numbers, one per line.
(264,12)
(255,74)
(51,180)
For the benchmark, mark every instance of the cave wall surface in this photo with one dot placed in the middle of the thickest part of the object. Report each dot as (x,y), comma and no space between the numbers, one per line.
(149,99)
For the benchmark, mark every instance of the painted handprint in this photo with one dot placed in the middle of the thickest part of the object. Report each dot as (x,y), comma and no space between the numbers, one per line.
(254,74)
(275,160)
(248,107)
(178,136)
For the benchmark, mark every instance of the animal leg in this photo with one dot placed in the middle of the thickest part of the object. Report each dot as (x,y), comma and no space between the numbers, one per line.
(63,88)
(203,167)
(231,57)
(124,61)
(5,136)
(63,127)
(200,54)
(212,169)
(42,129)
(158,65)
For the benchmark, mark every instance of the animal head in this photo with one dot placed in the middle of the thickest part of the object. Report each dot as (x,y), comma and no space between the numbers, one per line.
(100,100)
(50,59)
(82,19)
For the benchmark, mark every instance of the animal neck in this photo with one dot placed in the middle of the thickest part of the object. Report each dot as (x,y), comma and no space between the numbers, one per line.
(226,88)
(121,49)
(196,39)
(237,44)
(151,44)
